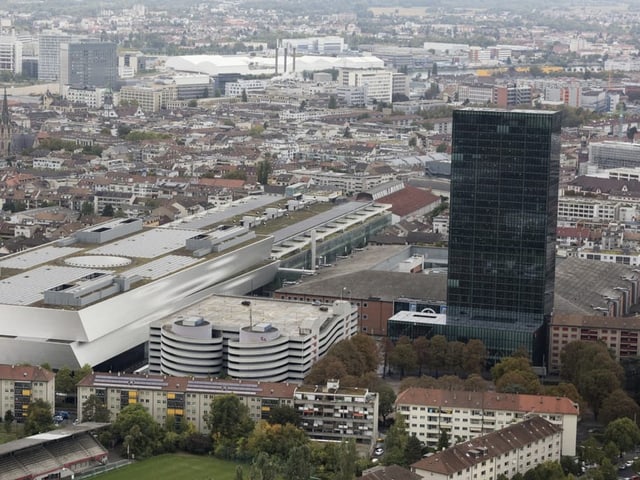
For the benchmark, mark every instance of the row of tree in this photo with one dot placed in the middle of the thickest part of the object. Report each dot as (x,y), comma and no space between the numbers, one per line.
(437,355)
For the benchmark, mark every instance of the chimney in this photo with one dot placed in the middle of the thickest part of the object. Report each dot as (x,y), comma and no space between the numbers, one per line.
(277,60)
(285,59)
(293,66)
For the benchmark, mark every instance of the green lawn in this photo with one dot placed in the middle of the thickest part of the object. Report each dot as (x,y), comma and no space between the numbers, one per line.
(175,467)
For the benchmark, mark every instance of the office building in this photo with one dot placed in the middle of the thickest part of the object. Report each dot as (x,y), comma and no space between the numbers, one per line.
(88,64)
(23,384)
(10,54)
(614,154)
(49,55)
(515,449)
(467,415)
(502,230)
(378,83)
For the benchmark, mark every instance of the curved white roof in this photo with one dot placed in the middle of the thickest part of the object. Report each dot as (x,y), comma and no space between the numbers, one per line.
(243,64)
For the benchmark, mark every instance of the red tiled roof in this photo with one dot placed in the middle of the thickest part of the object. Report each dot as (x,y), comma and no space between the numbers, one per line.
(465,455)
(409,200)
(488,400)
(222,182)
(25,372)
(180,384)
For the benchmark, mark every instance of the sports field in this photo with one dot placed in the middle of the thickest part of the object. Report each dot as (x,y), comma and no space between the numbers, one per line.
(175,467)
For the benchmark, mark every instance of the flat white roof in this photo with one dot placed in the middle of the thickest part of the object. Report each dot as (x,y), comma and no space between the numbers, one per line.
(147,244)
(28,287)
(162,266)
(32,258)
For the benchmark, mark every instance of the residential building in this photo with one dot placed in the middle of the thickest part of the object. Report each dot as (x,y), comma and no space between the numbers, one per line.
(331,413)
(248,338)
(515,449)
(510,95)
(88,64)
(22,384)
(620,335)
(476,94)
(468,415)
(502,226)
(186,398)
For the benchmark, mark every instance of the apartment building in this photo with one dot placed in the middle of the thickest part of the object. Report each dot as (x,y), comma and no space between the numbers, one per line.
(468,415)
(149,99)
(10,54)
(514,449)
(186,398)
(620,334)
(330,412)
(22,384)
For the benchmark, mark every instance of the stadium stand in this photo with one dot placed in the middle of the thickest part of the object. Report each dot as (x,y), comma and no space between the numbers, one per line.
(62,453)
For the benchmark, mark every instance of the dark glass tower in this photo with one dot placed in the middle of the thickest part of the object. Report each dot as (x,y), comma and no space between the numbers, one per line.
(503,215)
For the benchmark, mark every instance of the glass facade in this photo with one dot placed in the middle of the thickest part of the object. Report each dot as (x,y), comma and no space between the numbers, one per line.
(502,232)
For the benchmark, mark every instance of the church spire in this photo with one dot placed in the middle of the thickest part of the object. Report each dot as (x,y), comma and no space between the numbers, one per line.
(5,109)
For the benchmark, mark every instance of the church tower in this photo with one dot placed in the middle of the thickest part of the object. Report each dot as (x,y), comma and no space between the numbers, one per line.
(6,130)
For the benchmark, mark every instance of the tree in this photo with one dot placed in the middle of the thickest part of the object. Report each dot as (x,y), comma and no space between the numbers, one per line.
(243,96)
(236,175)
(434,69)
(624,433)
(631,133)
(438,353)
(396,443)
(475,356)
(86,209)
(298,463)
(263,171)
(239,474)
(347,457)
(108,211)
(421,345)
(515,375)
(39,418)
(325,369)
(276,440)
(8,420)
(333,102)
(263,468)
(413,450)
(443,440)
(618,405)
(386,400)
(64,381)
(138,432)
(442,147)
(403,357)
(283,414)
(228,421)
(192,103)
(123,130)
(455,356)
(94,410)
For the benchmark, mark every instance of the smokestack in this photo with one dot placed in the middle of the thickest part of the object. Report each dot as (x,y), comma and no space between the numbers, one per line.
(293,68)
(277,60)
(285,59)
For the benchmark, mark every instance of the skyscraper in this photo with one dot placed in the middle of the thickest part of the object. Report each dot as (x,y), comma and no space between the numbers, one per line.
(88,64)
(503,215)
